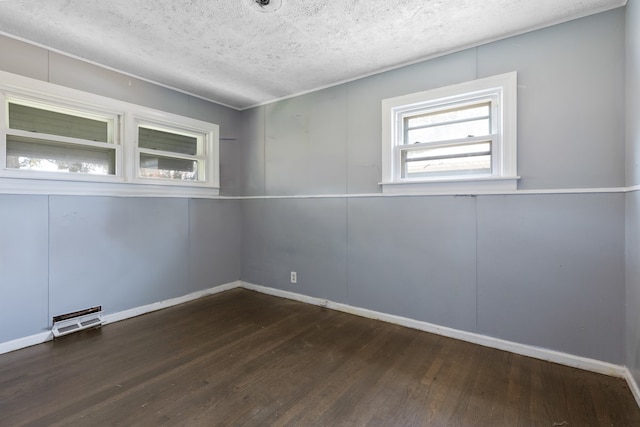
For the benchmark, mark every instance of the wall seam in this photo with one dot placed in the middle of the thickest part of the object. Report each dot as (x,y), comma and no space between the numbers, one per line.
(189,253)
(476,259)
(264,150)
(48,259)
(477,55)
(346,204)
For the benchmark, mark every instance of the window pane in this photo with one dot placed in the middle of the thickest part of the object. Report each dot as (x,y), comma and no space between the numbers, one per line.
(467,165)
(166,141)
(452,115)
(41,155)
(44,121)
(167,167)
(449,131)
(450,151)
(466,158)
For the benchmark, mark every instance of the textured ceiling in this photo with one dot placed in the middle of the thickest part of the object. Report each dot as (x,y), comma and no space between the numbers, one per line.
(231,52)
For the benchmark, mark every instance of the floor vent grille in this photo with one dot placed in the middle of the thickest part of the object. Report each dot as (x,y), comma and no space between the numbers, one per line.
(78,320)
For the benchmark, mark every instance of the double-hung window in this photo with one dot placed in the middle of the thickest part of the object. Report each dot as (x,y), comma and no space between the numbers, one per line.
(56,140)
(457,138)
(45,137)
(173,153)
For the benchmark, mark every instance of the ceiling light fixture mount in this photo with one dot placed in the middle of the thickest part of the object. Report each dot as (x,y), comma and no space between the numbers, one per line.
(266,6)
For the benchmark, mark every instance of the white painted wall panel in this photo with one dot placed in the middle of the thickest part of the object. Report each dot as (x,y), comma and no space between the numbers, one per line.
(633,199)
(215,240)
(22,58)
(310,238)
(570,101)
(305,144)
(116,252)
(252,152)
(23,266)
(551,272)
(414,257)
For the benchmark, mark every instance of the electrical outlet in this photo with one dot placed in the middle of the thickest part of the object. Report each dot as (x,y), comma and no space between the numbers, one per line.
(294,277)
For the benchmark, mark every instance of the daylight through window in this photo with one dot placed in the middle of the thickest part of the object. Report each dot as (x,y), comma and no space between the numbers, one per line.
(62,138)
(459,135)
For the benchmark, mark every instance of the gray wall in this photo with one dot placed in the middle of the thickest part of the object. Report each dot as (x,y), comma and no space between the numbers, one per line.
(539,269)
(63,253)
(633,198)
(544,270)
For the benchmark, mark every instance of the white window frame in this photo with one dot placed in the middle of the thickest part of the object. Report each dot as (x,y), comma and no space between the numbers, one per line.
(53,104)
(500,90)
(124,116)
(207,154)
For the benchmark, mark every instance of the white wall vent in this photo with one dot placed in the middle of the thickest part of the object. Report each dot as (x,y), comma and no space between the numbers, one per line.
(78,320)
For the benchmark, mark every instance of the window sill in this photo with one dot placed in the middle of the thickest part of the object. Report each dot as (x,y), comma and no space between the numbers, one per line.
(98,188)
(452,186)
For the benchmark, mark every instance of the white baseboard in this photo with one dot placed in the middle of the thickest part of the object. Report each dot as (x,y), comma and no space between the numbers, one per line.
(500,344)
(138,311)
(6,347)
(17,344)
(633,385)
(522,349)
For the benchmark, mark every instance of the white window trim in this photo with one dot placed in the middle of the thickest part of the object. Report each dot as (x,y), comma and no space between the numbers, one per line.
(504,157)
(47,102)
(188,126)
(125,182)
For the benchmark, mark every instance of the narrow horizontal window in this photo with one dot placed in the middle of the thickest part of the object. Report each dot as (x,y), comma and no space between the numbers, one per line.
(47,156)
(38,120)
(47,137)
(171,153)
(166,141)
(467,121)
(437,161)
(58,140)
(168,167)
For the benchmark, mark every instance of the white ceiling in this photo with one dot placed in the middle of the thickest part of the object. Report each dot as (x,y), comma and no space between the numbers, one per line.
(234,53)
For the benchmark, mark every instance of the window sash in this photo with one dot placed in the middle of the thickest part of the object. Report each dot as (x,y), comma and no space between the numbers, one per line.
(41,138)
(46,113)
(448,127)
(169,136)
(48,121)
(498,91)
(172,168)
(437,161)
(121,138)
(162,139)
(455,107)
(43,155)
(452,111)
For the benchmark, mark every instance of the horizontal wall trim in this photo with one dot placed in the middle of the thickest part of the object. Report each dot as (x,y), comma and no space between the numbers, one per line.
(633,188)
(8,346)
(117,189)
(460,194)
(43,187)
(484,340)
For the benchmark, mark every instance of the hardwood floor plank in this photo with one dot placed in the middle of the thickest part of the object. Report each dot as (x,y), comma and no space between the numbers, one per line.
(246,359)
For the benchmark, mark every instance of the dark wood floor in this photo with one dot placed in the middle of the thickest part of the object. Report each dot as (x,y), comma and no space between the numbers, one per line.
(242,358)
